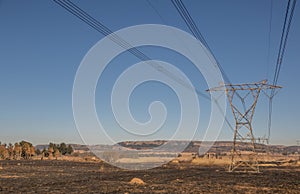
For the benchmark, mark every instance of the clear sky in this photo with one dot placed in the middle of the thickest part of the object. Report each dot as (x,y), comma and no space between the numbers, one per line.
(42,45)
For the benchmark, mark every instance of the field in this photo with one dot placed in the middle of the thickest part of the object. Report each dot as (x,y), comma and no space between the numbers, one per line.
(51,176)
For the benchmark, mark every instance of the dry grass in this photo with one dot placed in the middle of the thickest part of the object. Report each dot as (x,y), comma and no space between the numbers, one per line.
(9,176)
(143,160)
(210,162)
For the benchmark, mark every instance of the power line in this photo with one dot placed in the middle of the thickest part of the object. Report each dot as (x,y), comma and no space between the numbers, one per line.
(284,38)
(268,66)
(281,42)
(214,100)
(156,11)
(185,15)
(85,17)
(282,47)
(269,37)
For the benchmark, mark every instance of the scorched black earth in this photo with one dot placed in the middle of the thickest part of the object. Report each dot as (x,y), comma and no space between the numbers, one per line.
(82,177)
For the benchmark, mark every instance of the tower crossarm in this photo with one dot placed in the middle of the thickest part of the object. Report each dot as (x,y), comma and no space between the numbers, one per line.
(245,86)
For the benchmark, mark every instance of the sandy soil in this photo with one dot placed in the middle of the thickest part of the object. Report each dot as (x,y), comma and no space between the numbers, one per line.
(83,177)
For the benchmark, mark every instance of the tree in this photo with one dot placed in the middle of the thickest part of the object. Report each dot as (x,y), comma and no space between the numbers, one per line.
(3,152)
(10,150)
(70,149)
(45,153)
(56,153)
(38,152)
(17,151)
(32,151)
(27,149)
(63,149)
(50,152)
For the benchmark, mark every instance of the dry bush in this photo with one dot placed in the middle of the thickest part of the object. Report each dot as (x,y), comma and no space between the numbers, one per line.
(137,181)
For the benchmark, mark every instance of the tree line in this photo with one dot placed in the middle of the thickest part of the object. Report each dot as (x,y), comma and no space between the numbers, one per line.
(25,150)
(56,150)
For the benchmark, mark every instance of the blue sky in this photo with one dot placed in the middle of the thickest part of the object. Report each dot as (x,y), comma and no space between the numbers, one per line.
(42,45)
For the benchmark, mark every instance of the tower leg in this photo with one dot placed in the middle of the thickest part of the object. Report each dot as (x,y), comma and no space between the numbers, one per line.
(233,151)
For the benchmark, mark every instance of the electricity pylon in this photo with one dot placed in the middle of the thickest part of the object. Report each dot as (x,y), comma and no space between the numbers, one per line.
(243,99)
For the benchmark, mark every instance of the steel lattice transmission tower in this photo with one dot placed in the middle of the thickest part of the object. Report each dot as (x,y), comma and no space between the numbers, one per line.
(243,99)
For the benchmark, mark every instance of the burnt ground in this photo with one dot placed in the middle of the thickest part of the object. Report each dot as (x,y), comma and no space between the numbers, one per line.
(78,177)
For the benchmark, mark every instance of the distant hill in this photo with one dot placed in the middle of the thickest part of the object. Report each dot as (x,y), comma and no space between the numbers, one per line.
(217,147)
